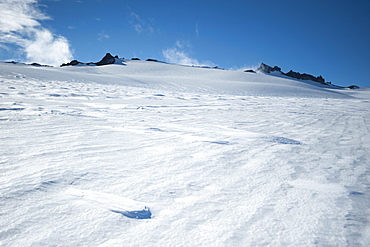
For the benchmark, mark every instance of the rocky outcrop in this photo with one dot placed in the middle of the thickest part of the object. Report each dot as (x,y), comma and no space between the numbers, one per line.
(107,59)
(40,65)
(268,69)
(305,76)
(296,75)
(250,71)
(71,63)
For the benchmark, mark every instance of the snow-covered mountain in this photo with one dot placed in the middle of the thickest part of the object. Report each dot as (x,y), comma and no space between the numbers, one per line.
(153,154)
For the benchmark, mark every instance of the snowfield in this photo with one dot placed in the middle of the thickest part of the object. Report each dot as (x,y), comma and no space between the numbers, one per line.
(154,154)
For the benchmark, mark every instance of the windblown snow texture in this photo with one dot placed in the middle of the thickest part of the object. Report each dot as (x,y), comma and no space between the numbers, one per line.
(153,154)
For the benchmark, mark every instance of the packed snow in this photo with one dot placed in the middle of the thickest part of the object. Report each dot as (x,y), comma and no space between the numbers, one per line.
(155,154)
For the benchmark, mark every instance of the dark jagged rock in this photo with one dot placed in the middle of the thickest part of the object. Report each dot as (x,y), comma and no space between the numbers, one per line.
(296,75)
(152,60)
(268,69)
(354,87)
(135,58)
(40,65)
(107,59)
(250,71)
(305,76)
(72,63)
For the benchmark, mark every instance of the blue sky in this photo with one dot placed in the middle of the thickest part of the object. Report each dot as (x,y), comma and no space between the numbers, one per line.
(328,38)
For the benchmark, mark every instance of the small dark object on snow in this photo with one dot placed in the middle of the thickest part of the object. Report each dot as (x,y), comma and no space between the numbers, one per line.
(250,71)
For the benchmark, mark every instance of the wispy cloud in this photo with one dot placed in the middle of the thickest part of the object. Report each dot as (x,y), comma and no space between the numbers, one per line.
(102,35)
(197,29)
(20,26)
(178,56)
(140,25)
(182,44)
(173,55)
(244,67)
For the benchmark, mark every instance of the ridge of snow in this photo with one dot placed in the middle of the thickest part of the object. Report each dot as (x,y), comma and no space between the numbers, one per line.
(185,78)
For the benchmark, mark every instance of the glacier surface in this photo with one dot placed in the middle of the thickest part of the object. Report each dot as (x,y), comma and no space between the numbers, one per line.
(153,154)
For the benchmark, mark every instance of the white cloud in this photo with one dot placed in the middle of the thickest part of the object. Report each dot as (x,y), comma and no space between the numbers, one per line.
(174,55)
(179,44)
(102,35)
(138,28)
(197,29)
(182,44)
(46,48)
(139,24)
(19,25)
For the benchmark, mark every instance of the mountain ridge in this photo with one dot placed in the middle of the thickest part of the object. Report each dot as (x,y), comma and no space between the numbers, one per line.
(163,76)
(110,59)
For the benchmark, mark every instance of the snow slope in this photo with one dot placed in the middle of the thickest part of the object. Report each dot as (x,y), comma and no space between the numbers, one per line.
(153,154)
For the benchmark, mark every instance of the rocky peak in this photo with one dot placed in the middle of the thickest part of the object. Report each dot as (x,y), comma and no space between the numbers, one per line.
(268,69)
(107,59)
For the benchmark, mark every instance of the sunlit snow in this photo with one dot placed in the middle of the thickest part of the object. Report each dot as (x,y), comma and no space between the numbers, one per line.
(154,154)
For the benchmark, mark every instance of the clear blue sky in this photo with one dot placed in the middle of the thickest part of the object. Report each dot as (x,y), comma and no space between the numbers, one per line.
(328,38)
